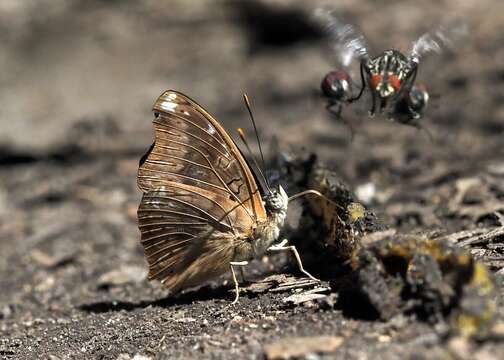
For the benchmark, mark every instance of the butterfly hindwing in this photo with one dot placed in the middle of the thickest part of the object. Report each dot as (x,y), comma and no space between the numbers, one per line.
(186,243)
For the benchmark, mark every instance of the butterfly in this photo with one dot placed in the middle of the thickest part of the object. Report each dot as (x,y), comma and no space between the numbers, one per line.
(202,213)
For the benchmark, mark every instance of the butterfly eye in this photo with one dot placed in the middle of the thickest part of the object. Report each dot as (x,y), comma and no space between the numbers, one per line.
(156,115)
(376,80)
(395,82)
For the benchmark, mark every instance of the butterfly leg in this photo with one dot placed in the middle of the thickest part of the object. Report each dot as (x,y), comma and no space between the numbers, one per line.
(242,275)
(282,246)
(237,288)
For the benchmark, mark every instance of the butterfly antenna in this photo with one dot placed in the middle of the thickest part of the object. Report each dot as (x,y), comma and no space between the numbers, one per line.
(314,192)
(262,169)
(319,194)
(249,108)
(244,139)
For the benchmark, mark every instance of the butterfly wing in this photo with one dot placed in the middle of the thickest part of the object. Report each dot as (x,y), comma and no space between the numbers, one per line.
(200,197)
(191,147)
(187,234)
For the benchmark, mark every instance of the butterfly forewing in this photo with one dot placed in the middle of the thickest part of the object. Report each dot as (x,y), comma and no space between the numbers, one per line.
(200,197)
(192,148)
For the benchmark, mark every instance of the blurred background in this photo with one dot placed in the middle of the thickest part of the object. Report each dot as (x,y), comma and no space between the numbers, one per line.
(68,62)
(78,79)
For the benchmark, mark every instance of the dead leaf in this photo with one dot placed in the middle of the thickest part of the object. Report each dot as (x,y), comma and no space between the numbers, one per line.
(297,299)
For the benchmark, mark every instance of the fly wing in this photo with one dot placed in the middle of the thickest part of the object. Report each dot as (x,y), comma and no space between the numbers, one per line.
(443,37)
(346,42)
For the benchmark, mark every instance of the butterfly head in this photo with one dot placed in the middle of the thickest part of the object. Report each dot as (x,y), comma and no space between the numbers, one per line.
(276,200)
(388,73)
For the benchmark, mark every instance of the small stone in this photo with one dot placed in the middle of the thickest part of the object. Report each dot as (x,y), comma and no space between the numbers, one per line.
(6,311)
(302,346)
(50,261)
(46,285)
(460,347)
(485,354)
(366,192)
(123,275)
(384,338)
(498,329)
(141,357)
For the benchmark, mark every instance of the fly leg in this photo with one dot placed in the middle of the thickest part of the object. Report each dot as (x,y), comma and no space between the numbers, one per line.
(373,106)
(237,288)
(337,114)
(282,246)
(426,130)
(363,85)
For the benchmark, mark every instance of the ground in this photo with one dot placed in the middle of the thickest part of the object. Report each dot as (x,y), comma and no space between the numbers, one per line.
(77,85)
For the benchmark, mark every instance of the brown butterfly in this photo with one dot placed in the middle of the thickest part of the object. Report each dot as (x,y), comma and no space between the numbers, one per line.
(202,212)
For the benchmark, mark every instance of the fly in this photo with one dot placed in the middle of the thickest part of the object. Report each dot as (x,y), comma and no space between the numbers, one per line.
(390,76)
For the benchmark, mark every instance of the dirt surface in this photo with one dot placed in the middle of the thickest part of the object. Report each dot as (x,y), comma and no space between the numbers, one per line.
(77,83)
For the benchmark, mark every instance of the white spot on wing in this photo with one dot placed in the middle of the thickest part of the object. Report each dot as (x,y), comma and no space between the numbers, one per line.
(168,105)
(211,129)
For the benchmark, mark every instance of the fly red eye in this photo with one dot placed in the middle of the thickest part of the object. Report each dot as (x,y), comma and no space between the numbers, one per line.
(336,85)
(376,80)
(395,82)
(338,75)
